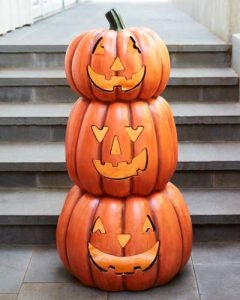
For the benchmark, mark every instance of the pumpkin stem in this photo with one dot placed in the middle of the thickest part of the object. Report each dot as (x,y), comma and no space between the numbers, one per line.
(115,20)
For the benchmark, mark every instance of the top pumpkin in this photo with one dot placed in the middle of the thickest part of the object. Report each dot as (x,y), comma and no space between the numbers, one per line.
(117,64)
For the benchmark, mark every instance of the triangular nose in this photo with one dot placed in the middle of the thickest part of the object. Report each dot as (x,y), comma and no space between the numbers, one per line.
(123,239)
(115,146)
(117,65)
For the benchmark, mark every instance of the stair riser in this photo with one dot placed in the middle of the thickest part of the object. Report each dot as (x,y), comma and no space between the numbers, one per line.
(46,234)
(63,94)
(48,60)
(56,133)
(60,179)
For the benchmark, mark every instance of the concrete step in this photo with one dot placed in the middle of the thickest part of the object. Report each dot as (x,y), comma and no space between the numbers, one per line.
(42,164)
(185,84)
(30,215)
(52,56)
(47,122)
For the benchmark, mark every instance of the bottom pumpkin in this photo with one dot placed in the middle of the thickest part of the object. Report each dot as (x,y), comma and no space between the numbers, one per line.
(129,243)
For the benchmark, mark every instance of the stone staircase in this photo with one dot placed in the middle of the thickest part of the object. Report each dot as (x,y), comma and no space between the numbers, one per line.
(36,101)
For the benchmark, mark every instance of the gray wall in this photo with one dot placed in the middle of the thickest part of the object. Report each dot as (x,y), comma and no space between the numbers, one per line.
(221,16)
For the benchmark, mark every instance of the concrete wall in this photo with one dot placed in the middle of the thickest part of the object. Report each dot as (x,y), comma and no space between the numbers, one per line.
(221,16)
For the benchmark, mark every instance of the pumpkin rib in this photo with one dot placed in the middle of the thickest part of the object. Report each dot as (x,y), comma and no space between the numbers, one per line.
(165,63)
(69,58)
(158,145)
(78,136)
(70,216)
(79,72)
(181,208)
(172,142)
(61,240)
(158,53)
(100,153)
(158,238)
(160,152)
(173,129)
(180,228)
(73,169)
(147,30)
(124,284)
(140,90)
(132,146)
(96,37)
(89,261)
(91,210)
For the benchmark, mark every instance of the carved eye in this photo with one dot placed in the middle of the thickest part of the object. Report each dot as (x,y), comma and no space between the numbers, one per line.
(98,226)
(99,133)
(99,48)
(134,133)
(148,225)
(132,47)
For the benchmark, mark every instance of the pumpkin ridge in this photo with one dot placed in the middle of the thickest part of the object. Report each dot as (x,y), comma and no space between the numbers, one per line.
(124,284)
(66,251)
(76,53)
(88,240)
(140,90)
(100,151)
(160,53)
(172,128)
(173,163)
(70,118)
(68,64)
(158,238)
(180,227)
(96,38)
(158,142)
(78,136)
(132,146)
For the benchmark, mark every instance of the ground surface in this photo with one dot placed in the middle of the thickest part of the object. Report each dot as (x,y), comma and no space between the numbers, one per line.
(36,273)
(174,26)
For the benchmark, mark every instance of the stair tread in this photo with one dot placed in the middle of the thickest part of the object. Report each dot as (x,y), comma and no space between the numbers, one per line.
(49,156)
(218,46)
(178,76)
(40,206)
(57,113)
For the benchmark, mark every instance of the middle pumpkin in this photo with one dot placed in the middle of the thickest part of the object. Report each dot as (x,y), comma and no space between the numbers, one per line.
(121,149)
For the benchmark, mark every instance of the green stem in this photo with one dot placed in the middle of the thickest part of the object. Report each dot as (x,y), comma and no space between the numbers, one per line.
(115,20)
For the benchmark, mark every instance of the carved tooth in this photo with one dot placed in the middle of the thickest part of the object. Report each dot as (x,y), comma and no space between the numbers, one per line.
(122,164)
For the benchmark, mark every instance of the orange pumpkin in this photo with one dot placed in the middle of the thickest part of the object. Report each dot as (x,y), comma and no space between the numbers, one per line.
(121,148)
(124,244)
(117,64)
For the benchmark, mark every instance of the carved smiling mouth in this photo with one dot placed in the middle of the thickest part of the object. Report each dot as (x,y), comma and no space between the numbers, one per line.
(123,170)
(123,264)
(108,84)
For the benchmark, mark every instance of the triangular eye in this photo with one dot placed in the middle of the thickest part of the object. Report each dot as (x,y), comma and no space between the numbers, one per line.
(148,225)
(98,226)
(134,133)
(98,48)
(132,47)
(99,133)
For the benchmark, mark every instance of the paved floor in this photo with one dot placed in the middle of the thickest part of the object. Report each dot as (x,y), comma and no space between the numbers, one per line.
(173,25)
(36,273)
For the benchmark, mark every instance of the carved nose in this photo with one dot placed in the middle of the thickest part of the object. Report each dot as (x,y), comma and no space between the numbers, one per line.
(123,239)
(117,65)
(115,146)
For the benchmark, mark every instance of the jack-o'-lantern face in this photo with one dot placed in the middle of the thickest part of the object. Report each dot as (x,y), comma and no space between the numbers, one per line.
(123,264)
(122,169)
(119,78)
(117,64)
(121,148)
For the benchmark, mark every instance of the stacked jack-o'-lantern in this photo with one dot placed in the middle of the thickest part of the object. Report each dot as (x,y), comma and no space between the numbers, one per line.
(123,226)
